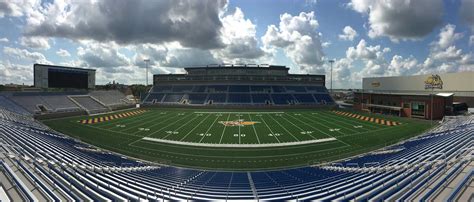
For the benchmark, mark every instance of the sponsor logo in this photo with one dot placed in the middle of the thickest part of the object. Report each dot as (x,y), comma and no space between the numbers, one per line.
(239,122)
(434,81)
(375,84)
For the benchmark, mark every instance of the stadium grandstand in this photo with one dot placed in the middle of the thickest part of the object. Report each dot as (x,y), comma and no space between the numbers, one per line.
(184,143)
(234,85)
(39,164)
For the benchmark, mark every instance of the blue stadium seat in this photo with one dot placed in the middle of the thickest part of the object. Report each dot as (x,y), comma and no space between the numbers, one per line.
(218,98)
(239,89)
(182,88)
(298,89)
(239,99)
(197,98)
(282,99)
(261,99)
(305,98)
(173,98)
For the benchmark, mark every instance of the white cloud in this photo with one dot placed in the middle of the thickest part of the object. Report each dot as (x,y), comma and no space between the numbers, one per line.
(402,66)
(349,34)
(191,23)
(102,55)
(326,44)
(40,43)
(447,36)
(400,19)
(63,53)
(4,40)
(471,40)
(15,73)
(444,56)
(238,35)
(364,52)
(23,54)
(298,37)
(11,8)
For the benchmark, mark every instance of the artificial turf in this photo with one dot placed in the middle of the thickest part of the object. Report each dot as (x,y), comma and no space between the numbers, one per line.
(230,139)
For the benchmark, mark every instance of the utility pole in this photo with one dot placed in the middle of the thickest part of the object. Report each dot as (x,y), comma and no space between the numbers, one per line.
(331,62)
(146,67)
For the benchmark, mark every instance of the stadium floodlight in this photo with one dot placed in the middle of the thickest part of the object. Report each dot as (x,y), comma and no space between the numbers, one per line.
(331,62)
(146,67)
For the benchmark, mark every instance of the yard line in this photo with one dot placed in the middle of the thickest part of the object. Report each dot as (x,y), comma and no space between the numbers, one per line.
(208,129)
(220,141)
(211,112)
(297,126)
(167,125)
(284,128)
(164,118)
(254,130)
(137,117)
(273,134)
(322,124)
(351,119)
(194,127)
(176,129)
(159,129)
(159,122)
(318,129)
(317,117)
(342,122)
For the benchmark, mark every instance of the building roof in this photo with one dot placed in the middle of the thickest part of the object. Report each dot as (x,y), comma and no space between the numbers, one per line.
(63,67)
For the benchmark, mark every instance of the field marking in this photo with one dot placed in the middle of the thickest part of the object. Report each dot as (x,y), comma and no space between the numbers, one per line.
(108,130)
(160,129)
(321,119)
(317,129)
(330,129)
(225,126)
(273,134)
(238,145)
(254,130)
(117,121)
(176,129)
(152,119)
(266,148)
(298,127)
(284,128)
(342,122)
(208,129)
(352,120)
(194,128)
(159,122)
(211,112)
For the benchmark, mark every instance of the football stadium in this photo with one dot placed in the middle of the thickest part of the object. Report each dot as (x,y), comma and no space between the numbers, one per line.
(267,100)
(222,132)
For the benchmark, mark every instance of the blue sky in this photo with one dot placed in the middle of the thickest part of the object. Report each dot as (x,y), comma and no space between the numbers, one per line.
(366,37)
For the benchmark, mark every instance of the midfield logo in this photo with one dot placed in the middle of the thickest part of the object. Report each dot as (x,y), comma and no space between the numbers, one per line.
(239,122)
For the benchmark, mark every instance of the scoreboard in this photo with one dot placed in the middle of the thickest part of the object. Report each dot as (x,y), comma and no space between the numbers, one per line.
(50,76)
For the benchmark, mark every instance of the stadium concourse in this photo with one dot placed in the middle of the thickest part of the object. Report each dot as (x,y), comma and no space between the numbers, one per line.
(38,164)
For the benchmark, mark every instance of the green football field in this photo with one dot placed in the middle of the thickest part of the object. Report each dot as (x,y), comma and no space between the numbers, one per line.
(239,139)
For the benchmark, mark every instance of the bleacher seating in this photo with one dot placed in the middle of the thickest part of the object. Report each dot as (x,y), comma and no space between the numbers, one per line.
(44,165)
(110,98)
(203,94)
(217,98)
(59,102)
(89,104)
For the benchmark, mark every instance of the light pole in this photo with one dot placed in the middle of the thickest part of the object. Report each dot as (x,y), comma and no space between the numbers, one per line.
(331,62)
(146,67)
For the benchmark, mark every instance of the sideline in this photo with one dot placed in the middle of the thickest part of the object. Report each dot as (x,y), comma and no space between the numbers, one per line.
(238,145)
